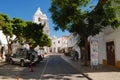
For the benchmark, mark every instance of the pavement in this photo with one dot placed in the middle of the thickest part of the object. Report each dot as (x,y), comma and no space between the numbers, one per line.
(2,62)
(101,72)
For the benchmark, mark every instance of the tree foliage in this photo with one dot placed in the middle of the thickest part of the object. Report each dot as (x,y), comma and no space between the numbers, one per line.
(105,13)
(18,27)
(45,41)
(7,26)
(69,15)
(34,35)
(2,23)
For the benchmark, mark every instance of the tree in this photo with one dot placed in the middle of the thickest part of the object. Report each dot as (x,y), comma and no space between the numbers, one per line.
(12,28)
(7,30)
(45,41)
(69,15)
(1,21)
(18,27)
(34,35)
(22,32)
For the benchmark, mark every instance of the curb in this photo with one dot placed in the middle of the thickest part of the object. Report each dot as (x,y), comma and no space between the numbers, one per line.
(76,67)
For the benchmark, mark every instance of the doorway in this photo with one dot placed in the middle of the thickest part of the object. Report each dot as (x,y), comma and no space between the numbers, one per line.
(110,51)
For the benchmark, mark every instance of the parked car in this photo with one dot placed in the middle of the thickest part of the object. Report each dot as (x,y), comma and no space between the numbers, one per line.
(41,54)
(23,57)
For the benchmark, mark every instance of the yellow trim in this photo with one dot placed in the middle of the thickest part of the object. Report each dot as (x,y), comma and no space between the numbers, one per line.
(118,64)
(104,62)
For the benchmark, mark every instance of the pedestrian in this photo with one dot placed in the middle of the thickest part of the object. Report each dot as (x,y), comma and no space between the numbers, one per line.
(76,56)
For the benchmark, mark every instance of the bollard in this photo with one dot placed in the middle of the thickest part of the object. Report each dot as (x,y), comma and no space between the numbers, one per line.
(31,68)
(18,77)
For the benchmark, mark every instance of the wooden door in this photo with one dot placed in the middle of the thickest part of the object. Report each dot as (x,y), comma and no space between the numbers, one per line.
(110,49)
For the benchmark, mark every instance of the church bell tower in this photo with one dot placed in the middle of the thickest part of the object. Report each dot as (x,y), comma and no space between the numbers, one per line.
(39,17)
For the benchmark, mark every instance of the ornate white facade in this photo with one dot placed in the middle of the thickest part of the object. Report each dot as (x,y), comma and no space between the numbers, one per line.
(39,17)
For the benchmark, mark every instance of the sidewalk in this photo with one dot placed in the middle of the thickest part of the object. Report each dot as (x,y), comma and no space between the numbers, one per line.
(2,63)
(103,72)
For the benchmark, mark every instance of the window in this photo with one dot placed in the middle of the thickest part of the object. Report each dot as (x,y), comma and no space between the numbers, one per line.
(39,19)
(58,41)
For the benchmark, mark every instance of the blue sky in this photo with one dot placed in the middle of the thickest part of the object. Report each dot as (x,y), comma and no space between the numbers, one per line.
(25,10)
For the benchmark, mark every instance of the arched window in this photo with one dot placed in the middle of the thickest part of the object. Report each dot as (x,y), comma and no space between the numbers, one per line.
(39,19)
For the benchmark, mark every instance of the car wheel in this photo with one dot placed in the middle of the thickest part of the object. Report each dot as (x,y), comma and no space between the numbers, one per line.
(11,61)
(22,63)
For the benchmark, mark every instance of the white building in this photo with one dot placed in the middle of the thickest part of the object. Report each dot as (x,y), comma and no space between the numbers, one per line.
(66,43)
(39,17)
(109,47)
(73,41)
(59,43)
(2,38)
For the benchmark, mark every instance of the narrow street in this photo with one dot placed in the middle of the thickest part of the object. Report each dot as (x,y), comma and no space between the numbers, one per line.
(52,68)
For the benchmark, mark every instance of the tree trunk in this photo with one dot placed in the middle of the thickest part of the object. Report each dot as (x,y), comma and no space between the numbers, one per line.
(86,52)
(9,52)
(10,49)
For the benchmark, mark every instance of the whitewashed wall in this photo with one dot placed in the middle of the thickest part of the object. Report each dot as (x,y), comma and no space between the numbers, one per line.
(2,38)
(109,35)
(114,36)
(101,49)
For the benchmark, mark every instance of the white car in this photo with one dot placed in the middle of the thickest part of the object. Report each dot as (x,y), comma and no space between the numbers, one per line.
(23,57)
